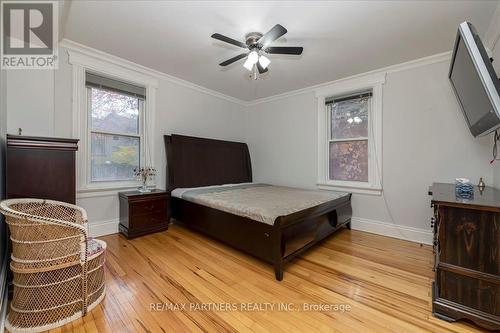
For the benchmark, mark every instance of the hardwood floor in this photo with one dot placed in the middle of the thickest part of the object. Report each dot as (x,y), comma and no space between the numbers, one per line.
(385,281)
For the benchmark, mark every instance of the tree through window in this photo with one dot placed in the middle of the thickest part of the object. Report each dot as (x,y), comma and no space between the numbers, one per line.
(115,133)
(348,137)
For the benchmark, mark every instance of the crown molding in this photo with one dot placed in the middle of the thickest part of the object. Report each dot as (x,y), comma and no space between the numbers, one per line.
(343,86)
(130,74)
(436,58)
(103,56)
(493,32)
(100,55)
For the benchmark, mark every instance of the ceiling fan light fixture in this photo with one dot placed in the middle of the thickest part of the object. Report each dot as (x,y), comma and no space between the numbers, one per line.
(253,57)
(264,61)
(248,64)
(255,45)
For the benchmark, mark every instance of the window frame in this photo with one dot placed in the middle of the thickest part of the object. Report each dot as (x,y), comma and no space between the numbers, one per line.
(83,61)
(140,135)
(373,82)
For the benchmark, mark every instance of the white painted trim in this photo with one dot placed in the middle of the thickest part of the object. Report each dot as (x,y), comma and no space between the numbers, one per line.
(374,83)
(436,58)
(416,235)
(103,228)
(84,194)
(71,45)
(108,227)
(106,192)
(351,189)
(82,49)
(349,84)
(82,61)
(112,67)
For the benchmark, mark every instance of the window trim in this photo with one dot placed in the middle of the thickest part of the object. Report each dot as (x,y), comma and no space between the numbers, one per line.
(373,82)
(81,63)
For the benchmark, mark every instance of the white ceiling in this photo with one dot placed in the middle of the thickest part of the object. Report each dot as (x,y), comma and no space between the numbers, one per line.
(339,38)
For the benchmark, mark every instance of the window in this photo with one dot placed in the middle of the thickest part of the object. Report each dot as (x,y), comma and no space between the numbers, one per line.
(113,109)
(348,142)
(115,129)
(349,135)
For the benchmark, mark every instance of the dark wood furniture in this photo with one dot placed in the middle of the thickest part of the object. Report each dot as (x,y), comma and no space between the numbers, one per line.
(143,213)
(467,255)
(39,167)
(194,162)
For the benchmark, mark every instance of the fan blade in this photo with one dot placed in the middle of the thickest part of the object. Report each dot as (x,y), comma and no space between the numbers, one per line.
(261,70)
(284,50)
(229,40)
(233,59)
(276,32)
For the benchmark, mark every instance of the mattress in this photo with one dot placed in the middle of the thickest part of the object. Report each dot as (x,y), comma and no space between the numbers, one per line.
(259,202)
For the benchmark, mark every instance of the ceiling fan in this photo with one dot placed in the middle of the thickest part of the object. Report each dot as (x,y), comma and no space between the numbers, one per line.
(257,44)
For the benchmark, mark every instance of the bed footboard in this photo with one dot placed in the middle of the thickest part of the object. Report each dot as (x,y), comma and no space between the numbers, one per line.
(295,234)
(290,235)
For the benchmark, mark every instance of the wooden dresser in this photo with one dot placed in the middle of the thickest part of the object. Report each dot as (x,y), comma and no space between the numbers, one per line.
(40,167)
(143,213)
(467,255)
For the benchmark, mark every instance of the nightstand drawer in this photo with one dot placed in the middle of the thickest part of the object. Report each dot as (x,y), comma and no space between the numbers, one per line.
(151,206)
(148,220)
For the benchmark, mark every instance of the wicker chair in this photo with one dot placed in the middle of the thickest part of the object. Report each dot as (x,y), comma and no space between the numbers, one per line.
(58,270)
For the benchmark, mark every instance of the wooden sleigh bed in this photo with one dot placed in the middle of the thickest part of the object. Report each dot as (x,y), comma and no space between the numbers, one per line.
(196,162)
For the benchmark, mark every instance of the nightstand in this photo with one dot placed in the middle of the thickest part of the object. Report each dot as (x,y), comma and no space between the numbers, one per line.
(143,213)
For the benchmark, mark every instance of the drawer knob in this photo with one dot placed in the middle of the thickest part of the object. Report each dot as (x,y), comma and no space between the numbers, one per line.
(433,221)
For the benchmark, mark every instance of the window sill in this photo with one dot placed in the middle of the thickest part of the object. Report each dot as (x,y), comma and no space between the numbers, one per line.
(92,192)
(352,189)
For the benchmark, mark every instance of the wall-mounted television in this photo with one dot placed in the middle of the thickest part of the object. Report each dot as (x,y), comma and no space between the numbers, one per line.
(475,82)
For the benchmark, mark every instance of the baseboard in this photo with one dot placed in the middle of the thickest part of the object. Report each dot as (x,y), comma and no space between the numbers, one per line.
(108,227)
(103,228)
(4,290)
(392,230)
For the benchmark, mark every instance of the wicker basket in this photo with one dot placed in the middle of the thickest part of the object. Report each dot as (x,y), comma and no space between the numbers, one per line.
(58,271)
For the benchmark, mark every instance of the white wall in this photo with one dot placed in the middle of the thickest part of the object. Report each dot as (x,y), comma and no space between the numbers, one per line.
(3,234)
(30,101)
(425,140)
(3,129)
(496,65)
(39,102)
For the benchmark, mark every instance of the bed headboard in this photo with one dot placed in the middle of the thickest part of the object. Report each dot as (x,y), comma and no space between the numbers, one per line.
(193,162)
